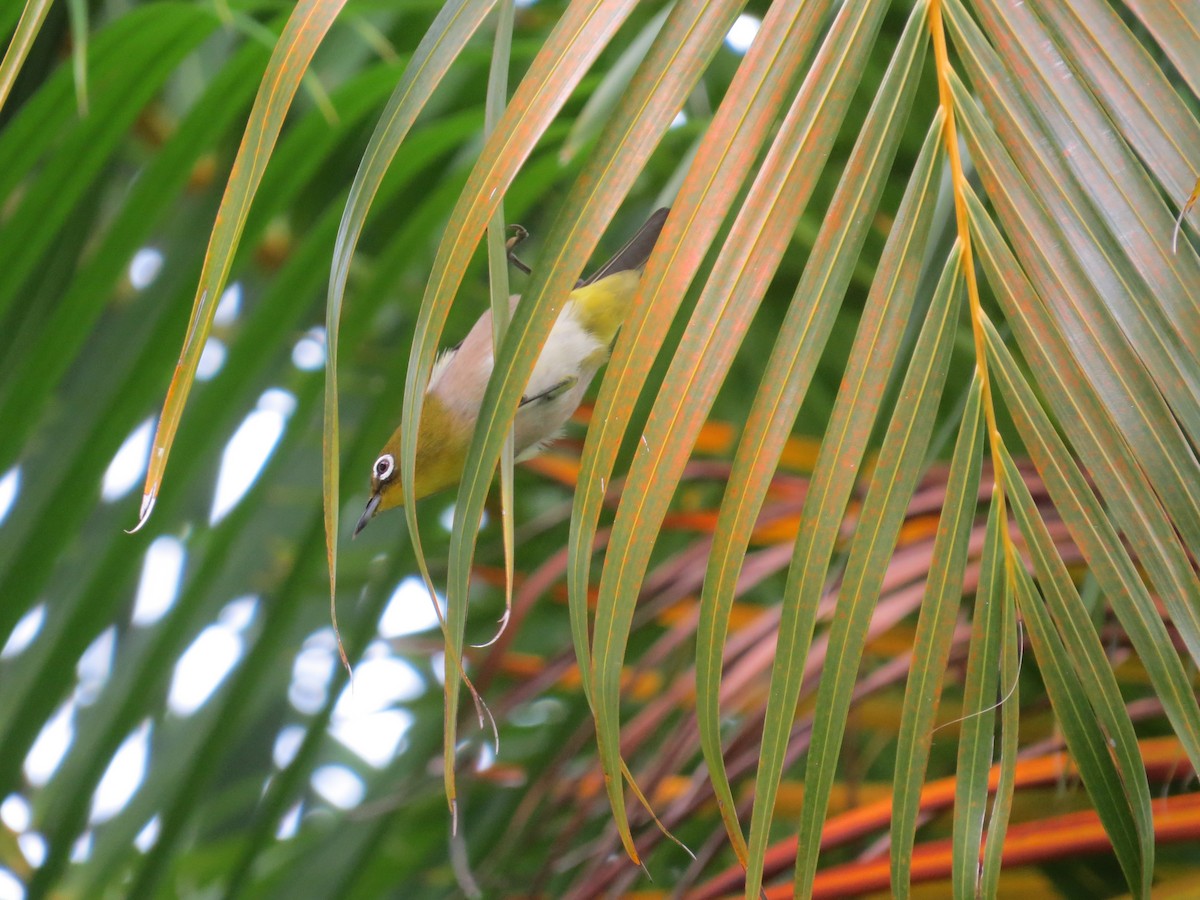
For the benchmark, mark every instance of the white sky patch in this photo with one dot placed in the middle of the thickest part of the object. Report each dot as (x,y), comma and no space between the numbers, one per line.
(10,486)
(95,665)
(287,745)
(238,614)
(162,574)
(123,776)
(742,34)
(278,400)
(33,848)
(229,306)
(81,850)
(680,119)
(211,657)
(338,786)
(379,683)
(144,268)
(364,717)
(290,823)
(212,357)
(10,887)
(309,353)
(312,671)
(446,519)
(409,611)
(148,835)
(375,738)
(202,668)
(26,630)
(249,449)
(16,813)
(125,471)
(486,757)
(51,745)
(537,713)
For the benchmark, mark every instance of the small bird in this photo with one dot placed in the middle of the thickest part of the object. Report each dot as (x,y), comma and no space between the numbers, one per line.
(577,346)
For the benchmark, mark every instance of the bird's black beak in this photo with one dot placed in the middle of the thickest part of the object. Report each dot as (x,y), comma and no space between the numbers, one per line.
(368,513)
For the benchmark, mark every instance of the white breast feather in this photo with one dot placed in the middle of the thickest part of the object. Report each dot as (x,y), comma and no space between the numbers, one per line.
(568,351)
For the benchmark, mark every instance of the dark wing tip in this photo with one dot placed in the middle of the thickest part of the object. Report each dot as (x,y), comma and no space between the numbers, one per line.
(635,253)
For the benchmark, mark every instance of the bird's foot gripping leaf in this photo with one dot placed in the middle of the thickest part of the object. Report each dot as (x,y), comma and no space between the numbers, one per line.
(553,392)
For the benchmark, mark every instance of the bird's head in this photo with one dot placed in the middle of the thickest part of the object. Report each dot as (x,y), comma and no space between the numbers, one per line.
(441,451)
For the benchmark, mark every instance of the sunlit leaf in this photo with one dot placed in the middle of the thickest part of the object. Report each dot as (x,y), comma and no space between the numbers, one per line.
(1089,744)
(791,367)
(688,36)
(297,43)
(980,698)
(22,39)
(931,644)
(901,459)
(875,350)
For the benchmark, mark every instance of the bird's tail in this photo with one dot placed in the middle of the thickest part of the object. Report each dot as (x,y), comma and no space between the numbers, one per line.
(634,254)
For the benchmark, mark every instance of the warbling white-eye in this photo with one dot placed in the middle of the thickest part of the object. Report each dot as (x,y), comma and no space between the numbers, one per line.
(578,345)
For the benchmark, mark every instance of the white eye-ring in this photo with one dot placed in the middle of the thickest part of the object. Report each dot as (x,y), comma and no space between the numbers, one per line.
(384,466)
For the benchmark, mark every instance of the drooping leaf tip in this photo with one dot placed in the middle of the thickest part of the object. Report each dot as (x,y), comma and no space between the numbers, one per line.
(148,501)
(503,624)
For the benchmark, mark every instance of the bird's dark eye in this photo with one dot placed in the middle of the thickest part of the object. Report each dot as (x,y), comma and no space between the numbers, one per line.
(384,466)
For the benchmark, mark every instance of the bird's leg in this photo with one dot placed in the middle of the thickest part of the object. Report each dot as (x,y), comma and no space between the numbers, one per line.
(519,234)
(554,391)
